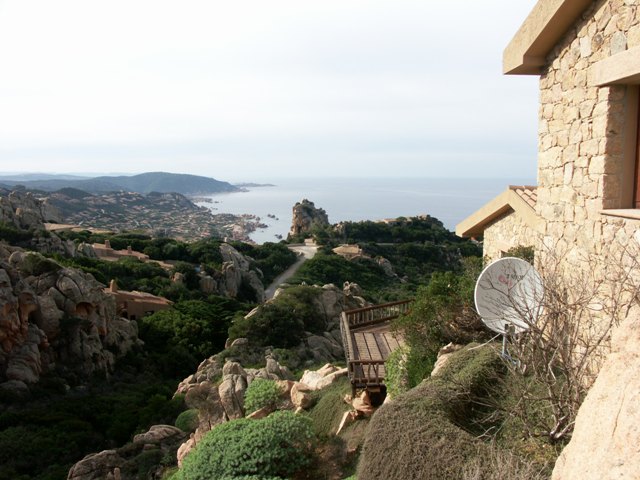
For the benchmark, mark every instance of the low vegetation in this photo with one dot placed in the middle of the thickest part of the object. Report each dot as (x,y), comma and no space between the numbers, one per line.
(443,312)
(176,340)
(397,257)
(261,393)
(40,440)
(435,430)
(276,447)
(282,323)
(270,258)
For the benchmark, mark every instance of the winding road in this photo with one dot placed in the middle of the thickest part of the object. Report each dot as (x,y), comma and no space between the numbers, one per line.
(305,252)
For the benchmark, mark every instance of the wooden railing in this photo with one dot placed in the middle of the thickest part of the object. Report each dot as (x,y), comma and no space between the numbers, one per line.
(362,317)
(347,342)
(367,373)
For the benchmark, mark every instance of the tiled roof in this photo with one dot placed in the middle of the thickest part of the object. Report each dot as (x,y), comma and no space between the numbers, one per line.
(520,199)
(528,193)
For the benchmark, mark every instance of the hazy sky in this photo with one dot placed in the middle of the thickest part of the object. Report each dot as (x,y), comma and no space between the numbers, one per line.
(244,90)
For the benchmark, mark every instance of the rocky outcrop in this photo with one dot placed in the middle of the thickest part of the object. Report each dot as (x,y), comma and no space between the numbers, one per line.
(56,319)
(305,217)
(322,378)
(605,440)
(133,460)
(236,273)
(222,401)
(25,211)
(86,250)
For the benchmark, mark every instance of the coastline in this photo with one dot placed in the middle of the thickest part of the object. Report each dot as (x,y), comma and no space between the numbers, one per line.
(357,199)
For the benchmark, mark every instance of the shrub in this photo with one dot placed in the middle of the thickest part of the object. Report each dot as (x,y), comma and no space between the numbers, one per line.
(442,312)
(332,268)
(429,432)
(187,421)
(261,393)
(283,322)
(396,378)
(277,446)
(14,235)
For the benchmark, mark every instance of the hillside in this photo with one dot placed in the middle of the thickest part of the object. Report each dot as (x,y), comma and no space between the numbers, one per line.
(169,214)
(162,182)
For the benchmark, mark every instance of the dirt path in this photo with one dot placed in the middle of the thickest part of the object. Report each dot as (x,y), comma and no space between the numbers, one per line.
(306,252)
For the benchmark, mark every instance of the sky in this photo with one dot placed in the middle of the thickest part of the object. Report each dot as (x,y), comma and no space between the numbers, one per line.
(245,90)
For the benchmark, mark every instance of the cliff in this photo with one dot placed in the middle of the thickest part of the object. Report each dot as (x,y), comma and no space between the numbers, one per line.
(55,320)
(305,217)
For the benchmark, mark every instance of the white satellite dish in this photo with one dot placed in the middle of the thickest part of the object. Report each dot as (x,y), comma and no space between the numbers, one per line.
(508,295)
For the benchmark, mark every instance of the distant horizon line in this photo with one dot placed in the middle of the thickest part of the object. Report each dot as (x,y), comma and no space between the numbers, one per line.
(261,178)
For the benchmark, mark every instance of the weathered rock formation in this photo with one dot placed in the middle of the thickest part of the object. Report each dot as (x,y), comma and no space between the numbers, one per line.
(305,217)
(322,378)
(607,431)
(223,401)
(134,459)
(25,211)
(236,273)
(54,318)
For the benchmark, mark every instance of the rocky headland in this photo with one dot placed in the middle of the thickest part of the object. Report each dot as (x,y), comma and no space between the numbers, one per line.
(305,217)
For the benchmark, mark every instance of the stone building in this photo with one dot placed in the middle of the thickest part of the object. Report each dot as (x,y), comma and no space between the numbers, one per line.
(587,55)
(105,252)
(507,221)
(136,305)
(587,209)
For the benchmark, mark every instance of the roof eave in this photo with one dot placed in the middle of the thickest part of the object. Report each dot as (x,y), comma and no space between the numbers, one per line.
(541,31)
(476,223)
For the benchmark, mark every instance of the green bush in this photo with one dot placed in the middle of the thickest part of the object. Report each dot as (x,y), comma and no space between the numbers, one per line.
(271,258)
(14,235)
(396,378)
(332,268)
(283,322)
(442,312)
(277,446)
(261,393)
(179,338)
(187,421)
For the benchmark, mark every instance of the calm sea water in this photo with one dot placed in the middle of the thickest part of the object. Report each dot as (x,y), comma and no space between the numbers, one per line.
(450,200)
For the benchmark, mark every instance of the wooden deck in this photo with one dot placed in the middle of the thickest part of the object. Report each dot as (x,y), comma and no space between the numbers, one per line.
(368,342)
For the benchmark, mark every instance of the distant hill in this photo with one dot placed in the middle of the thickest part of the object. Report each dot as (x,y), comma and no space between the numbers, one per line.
(28,177)
(143,183)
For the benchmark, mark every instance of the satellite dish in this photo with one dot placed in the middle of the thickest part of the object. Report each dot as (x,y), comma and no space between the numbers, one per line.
(508,295)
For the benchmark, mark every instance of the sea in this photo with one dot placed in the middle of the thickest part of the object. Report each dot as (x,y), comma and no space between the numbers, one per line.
(450,200)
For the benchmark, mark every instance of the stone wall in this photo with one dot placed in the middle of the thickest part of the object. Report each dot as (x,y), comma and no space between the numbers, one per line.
(582,134)
(506,232)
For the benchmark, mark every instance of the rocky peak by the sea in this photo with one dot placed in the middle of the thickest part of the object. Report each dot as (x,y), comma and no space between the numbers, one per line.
(306,216)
